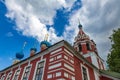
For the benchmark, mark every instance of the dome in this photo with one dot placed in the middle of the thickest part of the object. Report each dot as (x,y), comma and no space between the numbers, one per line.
(46,43)
(33,49)
(19,55)
(79,26)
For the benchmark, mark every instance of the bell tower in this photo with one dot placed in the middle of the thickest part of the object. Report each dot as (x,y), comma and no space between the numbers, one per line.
(87,48)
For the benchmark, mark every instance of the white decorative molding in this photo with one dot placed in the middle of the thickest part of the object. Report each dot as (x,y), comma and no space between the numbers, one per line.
(56,51)
(61,69)
(69,67)
(68,52)
(51,59)
(55,66)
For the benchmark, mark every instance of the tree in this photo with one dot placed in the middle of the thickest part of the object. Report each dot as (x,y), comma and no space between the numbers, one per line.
(113,58)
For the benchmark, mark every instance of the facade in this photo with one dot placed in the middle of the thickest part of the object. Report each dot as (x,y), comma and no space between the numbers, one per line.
(60,61)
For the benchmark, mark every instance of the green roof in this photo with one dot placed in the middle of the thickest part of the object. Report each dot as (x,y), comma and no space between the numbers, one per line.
(110,73)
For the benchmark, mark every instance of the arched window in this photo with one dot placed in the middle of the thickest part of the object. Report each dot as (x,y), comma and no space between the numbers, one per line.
(88,46)
(80,47)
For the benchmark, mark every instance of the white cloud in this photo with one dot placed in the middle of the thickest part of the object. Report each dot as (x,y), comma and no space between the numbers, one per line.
(31,17)
(99,18)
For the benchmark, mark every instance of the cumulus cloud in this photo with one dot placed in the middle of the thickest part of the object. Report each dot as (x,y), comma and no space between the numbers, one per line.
(31,17)
(99,18)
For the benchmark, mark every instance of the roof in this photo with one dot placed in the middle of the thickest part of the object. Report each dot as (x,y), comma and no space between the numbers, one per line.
(110,73)
(67,45)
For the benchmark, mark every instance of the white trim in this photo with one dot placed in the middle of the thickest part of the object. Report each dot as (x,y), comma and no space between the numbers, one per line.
(3,77)
(96,75)
(88,76)
(53,52)
(19,69)
(68,52)
(60,61)
(56,54)
(69,67)
(8,75)
(61,69)
(53,66)
(69,56)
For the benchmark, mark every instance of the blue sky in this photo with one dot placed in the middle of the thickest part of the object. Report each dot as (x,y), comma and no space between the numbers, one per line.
(28,21)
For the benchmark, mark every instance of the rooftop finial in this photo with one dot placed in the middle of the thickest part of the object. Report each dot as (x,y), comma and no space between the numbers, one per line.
(24,45)
(46,37)
(79,26)
(20,55)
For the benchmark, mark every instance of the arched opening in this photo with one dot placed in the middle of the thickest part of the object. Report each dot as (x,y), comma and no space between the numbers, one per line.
(88,46)
(80,47)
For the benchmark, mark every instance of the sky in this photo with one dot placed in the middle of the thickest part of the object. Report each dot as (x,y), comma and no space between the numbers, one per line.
(30,20)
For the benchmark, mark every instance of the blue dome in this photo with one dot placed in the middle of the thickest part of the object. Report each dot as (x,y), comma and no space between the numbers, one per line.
(79,26)
(46,43)
(19,55)
(33,49)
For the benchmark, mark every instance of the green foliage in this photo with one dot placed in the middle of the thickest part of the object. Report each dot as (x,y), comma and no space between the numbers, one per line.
(113,58)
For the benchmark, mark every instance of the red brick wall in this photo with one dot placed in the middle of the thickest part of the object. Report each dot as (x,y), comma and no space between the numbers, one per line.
(47,56)
(78,74)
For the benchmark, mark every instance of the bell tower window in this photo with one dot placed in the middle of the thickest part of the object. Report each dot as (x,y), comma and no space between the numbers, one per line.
(88,46)
(80,47)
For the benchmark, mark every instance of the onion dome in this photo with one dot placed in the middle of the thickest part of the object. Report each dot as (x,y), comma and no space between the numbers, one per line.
(80,26)
(19,55)
(33,49)
(46,43)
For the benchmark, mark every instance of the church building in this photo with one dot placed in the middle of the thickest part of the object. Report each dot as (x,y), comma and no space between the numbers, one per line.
(60,61)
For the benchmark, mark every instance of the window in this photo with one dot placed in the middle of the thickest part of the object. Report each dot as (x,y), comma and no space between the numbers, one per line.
(16,75)
(9,76)
(84,72)
(39,71)
(3,77)
(26,74)
(59,56)
(58,74)
(80,47)
(49,76)
(88,46)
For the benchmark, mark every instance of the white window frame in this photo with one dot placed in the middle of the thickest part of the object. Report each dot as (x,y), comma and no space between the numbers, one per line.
(3,77)
(16,73)
(37,68)
(29,66)
(86,71)
(9,76)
